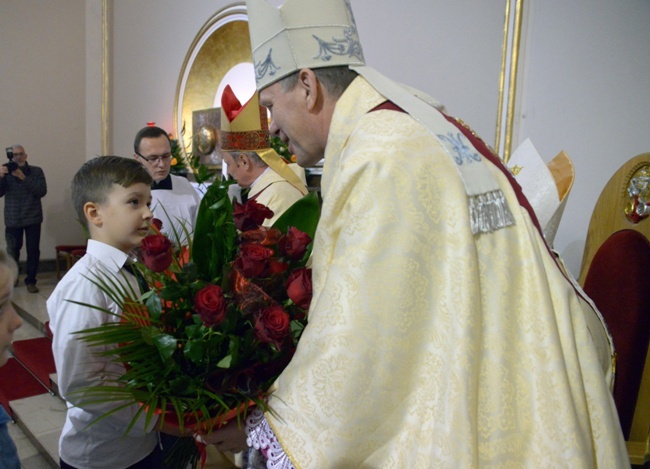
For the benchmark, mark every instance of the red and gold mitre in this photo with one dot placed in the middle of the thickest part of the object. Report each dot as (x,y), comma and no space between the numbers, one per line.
(246,128)
(243,127)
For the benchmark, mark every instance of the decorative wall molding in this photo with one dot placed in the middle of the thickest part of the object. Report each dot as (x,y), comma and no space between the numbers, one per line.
(106,97)
(511,47)
(222,43)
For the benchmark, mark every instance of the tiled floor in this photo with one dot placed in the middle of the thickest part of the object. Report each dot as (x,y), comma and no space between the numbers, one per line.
(46,411)
(34,304)
(44,415)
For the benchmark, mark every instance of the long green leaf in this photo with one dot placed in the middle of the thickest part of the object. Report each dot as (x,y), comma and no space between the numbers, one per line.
(303,215)
(212,249)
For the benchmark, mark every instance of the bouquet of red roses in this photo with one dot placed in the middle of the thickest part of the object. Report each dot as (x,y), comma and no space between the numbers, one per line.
(222,317)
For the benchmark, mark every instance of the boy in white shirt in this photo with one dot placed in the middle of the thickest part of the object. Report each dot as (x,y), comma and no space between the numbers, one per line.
(112,198)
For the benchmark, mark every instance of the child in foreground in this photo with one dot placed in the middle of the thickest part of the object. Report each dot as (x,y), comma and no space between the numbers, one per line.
(9,322)
(112,198)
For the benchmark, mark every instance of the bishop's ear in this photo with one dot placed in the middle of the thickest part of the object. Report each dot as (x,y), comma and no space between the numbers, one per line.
(310,86)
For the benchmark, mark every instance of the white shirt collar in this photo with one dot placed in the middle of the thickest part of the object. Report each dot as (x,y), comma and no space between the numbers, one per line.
(111,257)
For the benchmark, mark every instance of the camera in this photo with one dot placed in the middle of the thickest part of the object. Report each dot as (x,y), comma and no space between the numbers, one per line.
(11,166)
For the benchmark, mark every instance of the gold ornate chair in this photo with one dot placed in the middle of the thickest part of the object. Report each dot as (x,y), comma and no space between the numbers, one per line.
(615,273)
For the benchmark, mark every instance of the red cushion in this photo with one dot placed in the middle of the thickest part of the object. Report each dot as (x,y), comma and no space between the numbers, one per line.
(17,383)
(68,247)
(618,281)
(36,355)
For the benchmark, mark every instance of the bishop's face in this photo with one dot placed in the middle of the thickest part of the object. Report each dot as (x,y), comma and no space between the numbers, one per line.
(238,168)
(294,123)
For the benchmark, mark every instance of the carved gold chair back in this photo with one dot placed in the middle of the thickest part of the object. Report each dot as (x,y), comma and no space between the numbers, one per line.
(615,272)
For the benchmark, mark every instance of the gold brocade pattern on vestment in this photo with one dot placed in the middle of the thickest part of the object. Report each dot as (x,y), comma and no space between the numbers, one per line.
(275,192)
(428,346)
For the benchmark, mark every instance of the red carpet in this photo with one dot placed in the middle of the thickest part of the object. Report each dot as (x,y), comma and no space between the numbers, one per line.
(36,356)
(16,383)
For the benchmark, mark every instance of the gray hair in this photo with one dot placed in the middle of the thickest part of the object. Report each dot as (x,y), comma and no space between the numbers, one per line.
(334,79)
(255,158)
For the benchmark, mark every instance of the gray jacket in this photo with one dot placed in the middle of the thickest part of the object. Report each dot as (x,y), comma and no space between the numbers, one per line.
(23,198)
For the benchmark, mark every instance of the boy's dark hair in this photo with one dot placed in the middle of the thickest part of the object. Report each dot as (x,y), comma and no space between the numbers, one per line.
(148,132)
(94,180)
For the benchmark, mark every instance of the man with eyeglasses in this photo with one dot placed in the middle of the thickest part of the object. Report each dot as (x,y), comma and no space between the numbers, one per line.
(23,189)
(174,200)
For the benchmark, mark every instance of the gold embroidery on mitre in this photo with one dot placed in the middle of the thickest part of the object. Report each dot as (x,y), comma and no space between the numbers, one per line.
(301,34)
(246,141)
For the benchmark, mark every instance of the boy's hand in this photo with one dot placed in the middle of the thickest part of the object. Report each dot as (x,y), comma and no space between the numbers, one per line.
(229,438)
(173,430)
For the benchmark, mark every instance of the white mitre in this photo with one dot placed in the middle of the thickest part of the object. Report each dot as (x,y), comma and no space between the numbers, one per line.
(316,34)
(545,186)
(282,43)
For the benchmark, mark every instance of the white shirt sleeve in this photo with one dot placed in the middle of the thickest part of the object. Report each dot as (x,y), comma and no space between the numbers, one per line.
(78,365)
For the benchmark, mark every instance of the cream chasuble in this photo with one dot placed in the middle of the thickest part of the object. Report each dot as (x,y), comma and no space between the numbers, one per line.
(275,192)
(428,346)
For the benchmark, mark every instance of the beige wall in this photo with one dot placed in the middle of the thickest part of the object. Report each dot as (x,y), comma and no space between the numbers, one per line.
(42,99)
(452,52)
(584,87)
(586,91)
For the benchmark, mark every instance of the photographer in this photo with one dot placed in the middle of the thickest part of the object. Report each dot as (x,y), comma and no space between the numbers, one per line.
(24,186)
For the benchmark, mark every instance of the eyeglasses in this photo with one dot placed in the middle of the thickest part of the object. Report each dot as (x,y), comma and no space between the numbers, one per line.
(22,153)
(155,159)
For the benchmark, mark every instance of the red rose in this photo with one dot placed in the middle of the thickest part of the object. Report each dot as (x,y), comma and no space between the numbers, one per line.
(294,243)
(250,215)
(157,224)
(298,287)
(277,267)
(156,252)
(262,235)
(272,325)
(253,259)
(210,304)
